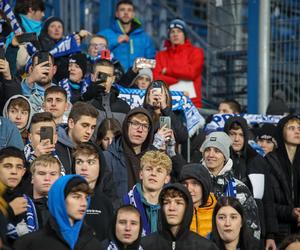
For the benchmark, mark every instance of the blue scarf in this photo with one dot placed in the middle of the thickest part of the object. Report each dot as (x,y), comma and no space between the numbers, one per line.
(68,85)
(31,25)
(231,188)
(28,226)
(194,120)
(30,157)
(134,198)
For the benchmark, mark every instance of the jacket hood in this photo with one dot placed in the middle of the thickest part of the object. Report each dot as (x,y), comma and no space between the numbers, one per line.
(57,208)
(198,172)
(188,214)
(228,167)
(136,26)
(243,123)
(279,130)
(5,109)
(135,245)
(149,137)
(168,45)
(63,137)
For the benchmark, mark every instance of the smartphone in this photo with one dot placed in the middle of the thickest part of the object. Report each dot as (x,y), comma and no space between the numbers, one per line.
(26,37)
(165,120)
(157,85)
(142,63)
(43,57)
(2,53)
(46,133)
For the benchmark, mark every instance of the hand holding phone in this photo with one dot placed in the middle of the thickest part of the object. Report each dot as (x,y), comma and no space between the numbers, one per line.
(46,132)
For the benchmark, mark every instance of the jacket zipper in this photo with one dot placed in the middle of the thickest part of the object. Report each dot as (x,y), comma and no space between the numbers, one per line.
(196,221)
(173,245)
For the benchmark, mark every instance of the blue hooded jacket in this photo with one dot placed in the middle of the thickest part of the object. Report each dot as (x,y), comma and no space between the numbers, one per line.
(139,45)
(57,208)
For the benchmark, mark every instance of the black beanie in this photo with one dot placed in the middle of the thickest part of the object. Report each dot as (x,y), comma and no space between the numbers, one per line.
(73,183)
(266,132)
(79,59)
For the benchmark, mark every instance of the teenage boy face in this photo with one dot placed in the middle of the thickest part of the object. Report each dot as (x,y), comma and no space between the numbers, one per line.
(291,133)
(237,137)
(43,178)
(76,205)
(153,177)
(18,116)
(174,209)
(87,166)
(127,227)
(35,133)
(137,130)
(195,190)
(83,129)
(266,144)
(214,159)
(56,104)
(11,171)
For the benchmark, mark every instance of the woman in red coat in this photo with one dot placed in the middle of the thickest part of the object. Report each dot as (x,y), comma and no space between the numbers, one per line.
(181,64)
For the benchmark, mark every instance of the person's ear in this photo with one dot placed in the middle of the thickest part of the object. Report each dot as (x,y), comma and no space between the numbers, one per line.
(167,179)
(71,123)
(54,69)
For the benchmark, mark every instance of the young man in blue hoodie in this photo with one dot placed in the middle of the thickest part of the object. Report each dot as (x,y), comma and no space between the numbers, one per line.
(155,172)
(68,200)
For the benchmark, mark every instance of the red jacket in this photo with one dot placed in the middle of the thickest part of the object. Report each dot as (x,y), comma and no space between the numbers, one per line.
(182,62)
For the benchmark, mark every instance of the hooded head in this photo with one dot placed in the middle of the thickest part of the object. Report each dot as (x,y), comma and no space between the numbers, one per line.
(53,30)
(198,172)
(232,128)
(18,103)
(133,139)
(57,205)
(132,214)
(265,137)
(281,135)
(184,225)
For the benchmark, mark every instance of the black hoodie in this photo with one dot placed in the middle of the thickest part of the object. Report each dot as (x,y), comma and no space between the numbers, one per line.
(121,158)
(112,239)
(184,239)
(248,166)
(285,178)
(100,211)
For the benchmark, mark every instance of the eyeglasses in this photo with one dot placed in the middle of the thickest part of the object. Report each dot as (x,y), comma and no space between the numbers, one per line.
(90,162)
(98,45)
(137,125)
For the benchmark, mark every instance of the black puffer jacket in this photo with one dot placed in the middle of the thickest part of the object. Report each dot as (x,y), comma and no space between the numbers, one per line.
(285,177)
(185,239)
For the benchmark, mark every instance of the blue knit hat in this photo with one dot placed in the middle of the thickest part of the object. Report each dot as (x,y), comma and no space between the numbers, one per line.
(177,23)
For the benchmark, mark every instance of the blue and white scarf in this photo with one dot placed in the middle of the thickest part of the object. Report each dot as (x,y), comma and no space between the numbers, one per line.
(29,225)
(218,120)
(67,85)
(30,157)
(194,120)
(133,198)
(113,246)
